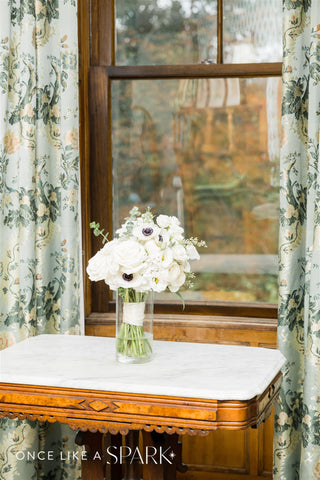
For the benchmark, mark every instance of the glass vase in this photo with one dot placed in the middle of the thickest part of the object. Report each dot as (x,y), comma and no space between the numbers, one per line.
(134,329)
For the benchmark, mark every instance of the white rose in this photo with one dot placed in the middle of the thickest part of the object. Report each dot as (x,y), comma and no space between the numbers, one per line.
(174,276)
(98,266)
(108,251)
(171,274)
(179,252)
(130,254)
(174,287)
(192,252)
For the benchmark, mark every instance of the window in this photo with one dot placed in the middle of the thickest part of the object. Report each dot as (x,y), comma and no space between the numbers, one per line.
(185,117)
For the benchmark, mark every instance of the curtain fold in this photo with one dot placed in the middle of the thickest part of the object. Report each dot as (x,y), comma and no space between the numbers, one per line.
(297,416)
(39,215)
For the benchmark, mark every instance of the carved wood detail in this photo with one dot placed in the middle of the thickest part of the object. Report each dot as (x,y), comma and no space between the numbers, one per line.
(120,412)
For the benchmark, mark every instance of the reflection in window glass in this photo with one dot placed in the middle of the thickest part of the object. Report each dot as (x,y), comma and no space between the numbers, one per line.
(252,31)
(164,32)
(207,151)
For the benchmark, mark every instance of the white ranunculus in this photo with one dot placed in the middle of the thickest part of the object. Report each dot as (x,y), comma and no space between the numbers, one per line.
(130,255)
(192,252)
(179,252)
(163,221)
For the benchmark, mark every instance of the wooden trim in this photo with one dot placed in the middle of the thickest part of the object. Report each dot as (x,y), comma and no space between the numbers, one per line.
(101,170)
(84,139)
(243,323)
(145,72)
(257,332)
(203,308)
(102,32)
(220,32)
(120,412)
(232,309)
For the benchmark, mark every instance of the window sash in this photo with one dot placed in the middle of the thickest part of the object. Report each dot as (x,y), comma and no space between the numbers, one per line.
(97,71)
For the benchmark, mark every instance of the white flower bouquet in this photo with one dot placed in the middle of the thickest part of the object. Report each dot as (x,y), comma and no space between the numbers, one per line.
(146,255)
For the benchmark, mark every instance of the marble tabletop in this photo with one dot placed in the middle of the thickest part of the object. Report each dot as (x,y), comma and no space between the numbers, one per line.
(192,370)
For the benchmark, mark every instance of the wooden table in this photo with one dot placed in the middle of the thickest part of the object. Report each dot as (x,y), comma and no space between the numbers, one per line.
(187,388)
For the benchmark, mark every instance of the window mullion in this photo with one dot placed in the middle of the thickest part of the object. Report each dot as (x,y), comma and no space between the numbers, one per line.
(220,32)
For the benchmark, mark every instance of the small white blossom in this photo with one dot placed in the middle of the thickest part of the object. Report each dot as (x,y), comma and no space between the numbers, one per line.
(163,221)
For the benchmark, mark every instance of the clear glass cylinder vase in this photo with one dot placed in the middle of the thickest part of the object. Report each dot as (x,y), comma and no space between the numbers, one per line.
(134,327)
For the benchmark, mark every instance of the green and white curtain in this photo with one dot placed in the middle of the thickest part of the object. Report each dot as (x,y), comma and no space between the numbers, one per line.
(40,274)
(297,419)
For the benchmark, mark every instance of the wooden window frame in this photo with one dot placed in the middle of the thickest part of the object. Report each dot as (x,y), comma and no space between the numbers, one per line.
(97,70)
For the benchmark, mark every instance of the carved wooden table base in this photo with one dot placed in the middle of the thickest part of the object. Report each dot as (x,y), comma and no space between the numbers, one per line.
(161,419)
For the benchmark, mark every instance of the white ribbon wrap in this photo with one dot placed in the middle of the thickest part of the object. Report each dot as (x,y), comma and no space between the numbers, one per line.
(133,313)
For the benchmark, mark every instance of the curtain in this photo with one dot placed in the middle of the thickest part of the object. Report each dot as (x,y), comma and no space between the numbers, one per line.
(297,417)
(39,214)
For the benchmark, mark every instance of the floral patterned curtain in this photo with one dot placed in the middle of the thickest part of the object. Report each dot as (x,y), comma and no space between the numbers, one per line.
(297,419)
(39,195)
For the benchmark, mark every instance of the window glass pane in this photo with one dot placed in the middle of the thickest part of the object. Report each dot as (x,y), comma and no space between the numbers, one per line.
(252,31)
(158,32)
(206,151)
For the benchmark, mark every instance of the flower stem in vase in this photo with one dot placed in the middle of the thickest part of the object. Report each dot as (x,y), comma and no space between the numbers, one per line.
(134,330)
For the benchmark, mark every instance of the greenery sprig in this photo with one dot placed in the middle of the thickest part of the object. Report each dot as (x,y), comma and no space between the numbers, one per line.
(96,232)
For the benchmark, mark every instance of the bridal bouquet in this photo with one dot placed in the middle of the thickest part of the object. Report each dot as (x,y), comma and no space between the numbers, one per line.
(147,255)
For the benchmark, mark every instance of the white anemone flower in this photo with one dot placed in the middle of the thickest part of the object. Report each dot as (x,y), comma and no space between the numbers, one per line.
(145,231)
(137,281)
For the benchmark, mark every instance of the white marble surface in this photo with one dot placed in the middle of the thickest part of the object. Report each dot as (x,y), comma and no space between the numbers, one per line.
(221,372)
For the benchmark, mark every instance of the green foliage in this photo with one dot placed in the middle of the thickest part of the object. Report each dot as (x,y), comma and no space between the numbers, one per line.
(96,231)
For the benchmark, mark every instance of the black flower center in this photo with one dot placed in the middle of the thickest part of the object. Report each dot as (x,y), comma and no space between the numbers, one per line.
(147,231)
(160,238)
(127,277)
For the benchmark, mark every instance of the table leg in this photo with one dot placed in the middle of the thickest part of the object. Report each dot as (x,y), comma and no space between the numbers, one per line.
(152,468)
(172,444)
(131,456)
(167,459)
(92,468)
(111,449)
